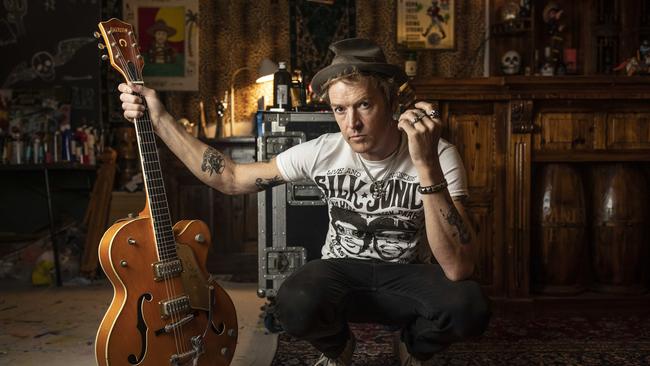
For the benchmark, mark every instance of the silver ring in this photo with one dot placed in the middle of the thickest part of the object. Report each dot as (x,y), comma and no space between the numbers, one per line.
(434,114)
(418,118)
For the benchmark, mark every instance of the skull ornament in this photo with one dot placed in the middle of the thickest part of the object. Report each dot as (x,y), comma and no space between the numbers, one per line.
(43,65)
(511,62)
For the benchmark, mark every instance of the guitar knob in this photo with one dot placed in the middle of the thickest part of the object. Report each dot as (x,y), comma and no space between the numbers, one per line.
(104,57)
(199,238)
(224,351)
(96,34)
(101,46)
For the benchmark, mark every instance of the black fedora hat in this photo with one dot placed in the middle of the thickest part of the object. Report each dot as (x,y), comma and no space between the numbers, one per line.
(357,53)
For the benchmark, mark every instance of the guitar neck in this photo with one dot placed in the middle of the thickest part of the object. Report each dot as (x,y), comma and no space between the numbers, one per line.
(155,187)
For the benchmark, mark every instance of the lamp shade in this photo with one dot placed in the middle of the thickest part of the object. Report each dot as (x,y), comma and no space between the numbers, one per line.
(266,70)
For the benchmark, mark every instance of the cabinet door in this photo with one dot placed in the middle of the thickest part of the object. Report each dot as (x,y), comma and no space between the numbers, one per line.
(628,130)
(473,129)
(561,131)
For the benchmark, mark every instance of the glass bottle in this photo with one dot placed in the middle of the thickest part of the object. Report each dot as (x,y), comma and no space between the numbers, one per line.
(282,87)
(411,65)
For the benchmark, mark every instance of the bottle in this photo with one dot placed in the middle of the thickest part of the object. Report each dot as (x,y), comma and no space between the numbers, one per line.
(298,92)
(66,143)
(90,146)
(281,87)
(56,147)
(411,65)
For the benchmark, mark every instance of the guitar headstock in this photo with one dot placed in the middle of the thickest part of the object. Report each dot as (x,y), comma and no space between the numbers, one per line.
(123,49)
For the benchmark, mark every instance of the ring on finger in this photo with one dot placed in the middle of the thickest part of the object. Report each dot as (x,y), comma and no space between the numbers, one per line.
(434,114)
(418,118)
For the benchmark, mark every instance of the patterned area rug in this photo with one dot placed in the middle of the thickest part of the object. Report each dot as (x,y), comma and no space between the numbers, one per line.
(547,341)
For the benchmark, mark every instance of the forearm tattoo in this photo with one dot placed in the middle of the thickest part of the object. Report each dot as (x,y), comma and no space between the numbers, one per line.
(263,184)
(453,218)
(213,161)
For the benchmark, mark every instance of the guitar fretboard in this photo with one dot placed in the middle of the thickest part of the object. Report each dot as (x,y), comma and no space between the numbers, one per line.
(155,188)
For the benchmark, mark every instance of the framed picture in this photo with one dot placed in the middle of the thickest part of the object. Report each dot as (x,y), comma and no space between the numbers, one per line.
(168,35)
(426,24)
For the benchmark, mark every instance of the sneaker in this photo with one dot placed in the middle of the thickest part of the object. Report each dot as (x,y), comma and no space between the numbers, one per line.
(344,359)
(405,358)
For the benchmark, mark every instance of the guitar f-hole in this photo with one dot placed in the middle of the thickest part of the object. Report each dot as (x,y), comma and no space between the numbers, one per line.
(142,329)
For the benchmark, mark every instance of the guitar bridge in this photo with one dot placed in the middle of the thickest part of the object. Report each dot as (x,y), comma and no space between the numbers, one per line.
(167,269)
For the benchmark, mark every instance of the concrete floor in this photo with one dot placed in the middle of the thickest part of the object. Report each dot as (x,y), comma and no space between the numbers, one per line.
(57,326)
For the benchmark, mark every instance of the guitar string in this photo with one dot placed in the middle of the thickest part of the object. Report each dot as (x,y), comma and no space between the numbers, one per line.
(139,126)
(169,288)
(161,224)
(162,220)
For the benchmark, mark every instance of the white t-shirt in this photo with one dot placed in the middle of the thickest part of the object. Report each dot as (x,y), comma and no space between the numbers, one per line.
(390,228)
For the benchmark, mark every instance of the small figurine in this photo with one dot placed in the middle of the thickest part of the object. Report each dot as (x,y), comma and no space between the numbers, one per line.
(644,53)
(511,63)
(639,64)
(552,14)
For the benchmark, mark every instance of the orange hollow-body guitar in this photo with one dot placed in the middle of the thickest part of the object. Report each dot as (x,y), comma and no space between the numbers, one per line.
(165,310)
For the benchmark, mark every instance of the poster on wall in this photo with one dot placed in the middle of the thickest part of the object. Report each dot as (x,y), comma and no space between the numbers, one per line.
(426,24)
(168,35)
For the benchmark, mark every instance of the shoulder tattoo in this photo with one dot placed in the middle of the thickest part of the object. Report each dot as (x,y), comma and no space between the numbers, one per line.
(213,161)
(263,184)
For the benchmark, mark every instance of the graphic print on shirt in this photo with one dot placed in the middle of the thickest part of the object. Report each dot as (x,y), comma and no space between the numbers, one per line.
(364,227)
(390,237)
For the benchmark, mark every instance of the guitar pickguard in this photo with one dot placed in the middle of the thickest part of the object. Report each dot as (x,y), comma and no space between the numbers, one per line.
(194,282)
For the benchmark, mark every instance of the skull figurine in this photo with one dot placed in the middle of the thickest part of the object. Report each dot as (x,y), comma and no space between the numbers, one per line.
(511,62)
(43,65)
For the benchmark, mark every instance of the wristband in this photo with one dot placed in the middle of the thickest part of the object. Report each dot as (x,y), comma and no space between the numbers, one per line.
(434,188)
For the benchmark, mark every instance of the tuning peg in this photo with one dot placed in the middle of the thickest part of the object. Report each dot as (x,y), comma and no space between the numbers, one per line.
(97,35)
(101,46)
(104,57)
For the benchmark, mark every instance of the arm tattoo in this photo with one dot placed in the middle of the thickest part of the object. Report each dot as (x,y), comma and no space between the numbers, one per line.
(213,161)
(263,184)
(454,218)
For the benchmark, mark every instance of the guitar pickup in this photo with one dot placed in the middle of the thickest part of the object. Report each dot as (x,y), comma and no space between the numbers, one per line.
(177,306)
(167,269)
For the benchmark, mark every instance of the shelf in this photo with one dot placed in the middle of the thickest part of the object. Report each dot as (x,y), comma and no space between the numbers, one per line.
(591,156)
(52,166)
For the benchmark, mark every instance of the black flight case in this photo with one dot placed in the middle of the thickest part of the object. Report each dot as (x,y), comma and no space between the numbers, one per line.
(292,218)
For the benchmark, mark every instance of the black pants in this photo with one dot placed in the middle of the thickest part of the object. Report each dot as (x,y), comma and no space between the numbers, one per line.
(317,301)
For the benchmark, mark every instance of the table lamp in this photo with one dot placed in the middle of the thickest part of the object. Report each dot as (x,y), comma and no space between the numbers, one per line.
(265,73)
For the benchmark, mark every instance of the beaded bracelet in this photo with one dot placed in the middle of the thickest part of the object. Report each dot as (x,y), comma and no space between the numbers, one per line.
(434,188)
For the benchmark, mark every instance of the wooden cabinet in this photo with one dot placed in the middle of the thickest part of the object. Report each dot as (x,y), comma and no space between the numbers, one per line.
(472,127)
(232,219)
(587,37)
(506,129)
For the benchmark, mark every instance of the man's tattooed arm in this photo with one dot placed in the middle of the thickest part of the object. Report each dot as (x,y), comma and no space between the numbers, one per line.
(454,218)
(263,184)
(213,161)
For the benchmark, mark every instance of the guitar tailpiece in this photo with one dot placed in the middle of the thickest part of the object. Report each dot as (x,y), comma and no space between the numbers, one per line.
(210,306)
